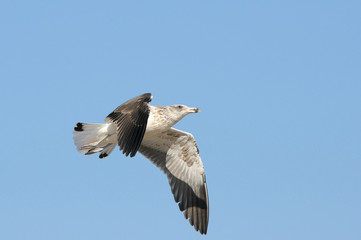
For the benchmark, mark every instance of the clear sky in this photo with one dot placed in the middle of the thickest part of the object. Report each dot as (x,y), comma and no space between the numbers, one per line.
(279,88)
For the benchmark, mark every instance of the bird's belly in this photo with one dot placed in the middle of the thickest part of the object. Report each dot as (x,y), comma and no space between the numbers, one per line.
(111,134)
(112,138)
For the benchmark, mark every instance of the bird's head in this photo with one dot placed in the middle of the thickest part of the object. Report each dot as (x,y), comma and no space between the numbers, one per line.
(183,110)
(179,111)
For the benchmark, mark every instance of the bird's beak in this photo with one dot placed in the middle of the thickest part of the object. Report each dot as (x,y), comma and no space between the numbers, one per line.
(196,110)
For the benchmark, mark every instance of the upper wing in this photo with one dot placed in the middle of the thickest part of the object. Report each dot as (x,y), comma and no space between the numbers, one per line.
(176,154)
(131,120)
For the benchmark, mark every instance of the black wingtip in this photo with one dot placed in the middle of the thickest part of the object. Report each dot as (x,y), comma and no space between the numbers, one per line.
(131,154)
(147,97)
(103,155)
(78,127)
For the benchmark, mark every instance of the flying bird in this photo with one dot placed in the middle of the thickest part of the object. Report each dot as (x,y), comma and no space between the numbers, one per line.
(136,126)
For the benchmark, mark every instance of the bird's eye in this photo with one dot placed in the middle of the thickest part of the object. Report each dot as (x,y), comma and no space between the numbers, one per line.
(180,106)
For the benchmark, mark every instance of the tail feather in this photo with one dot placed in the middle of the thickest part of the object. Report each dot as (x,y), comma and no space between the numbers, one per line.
(90,138)
(107,150)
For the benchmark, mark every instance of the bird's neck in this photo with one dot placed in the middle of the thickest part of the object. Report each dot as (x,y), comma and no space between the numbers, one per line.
(161,119)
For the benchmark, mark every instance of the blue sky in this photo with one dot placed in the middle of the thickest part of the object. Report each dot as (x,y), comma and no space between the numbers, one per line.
(279,88)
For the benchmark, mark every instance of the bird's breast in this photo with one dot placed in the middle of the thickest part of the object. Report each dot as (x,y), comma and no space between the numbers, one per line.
(158,121)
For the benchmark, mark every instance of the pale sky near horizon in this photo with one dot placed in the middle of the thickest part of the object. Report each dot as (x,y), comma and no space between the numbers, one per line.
(278,84)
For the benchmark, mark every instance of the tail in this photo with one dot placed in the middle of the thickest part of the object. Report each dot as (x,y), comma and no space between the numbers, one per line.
(91,138)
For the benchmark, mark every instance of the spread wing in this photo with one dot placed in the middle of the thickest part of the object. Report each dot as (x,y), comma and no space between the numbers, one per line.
(175,152)
(131,120)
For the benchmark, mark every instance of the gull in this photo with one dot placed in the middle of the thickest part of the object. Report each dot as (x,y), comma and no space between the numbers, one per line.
(136,126)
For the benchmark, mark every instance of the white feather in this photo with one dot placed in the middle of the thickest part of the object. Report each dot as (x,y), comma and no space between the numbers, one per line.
(95,137)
